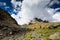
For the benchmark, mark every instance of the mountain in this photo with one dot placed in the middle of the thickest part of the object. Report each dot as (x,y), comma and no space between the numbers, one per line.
(9,29)
(43,30)
(7,24)
(6,19)
(37,30)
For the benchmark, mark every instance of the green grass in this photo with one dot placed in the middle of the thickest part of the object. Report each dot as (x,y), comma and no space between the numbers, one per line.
(44,32)
(41,33)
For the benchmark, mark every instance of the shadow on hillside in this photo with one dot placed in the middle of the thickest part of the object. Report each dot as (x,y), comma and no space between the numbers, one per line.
(6,31)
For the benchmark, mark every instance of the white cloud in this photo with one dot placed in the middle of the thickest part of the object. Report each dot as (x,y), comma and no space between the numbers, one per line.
(16,5)
(35,8)
(57,17)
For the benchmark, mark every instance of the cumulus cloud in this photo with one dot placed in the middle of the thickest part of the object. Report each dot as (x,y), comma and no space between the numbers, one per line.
(35,9)
(57,17)
(16,5)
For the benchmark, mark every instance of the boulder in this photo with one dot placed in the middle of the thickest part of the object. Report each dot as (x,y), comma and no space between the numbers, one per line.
(55,36)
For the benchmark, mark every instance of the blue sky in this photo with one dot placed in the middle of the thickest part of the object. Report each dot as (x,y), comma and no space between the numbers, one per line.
(8,4)
(26,11)
(10,9)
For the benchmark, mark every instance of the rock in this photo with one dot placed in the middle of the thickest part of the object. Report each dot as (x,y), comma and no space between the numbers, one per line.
(8,25)
(1,34)
(10,33)
(30,23)
(55,36)
(54,26)
(38,19)
(23,26)
(36,36)
(6,19)
(45,21)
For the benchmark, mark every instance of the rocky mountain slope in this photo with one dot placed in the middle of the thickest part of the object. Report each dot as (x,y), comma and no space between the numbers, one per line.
(7,24)
(9,27)
(6,19)
(43,30)
(37,30)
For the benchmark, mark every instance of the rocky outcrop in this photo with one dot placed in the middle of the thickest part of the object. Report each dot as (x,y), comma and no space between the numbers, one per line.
(8,26)
(9,29)
(54,26)
(6,19)
(55,36)
(39,20)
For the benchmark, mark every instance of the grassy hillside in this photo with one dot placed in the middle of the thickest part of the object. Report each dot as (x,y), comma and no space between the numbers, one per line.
(42,25)
(42,30)
(37,30)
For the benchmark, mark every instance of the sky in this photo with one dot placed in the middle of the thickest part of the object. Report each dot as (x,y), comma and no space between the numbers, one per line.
(8,5)
(23,11)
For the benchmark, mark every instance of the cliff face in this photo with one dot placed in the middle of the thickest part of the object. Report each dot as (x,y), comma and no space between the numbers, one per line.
(8,26)
(7,20)
(9,29)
